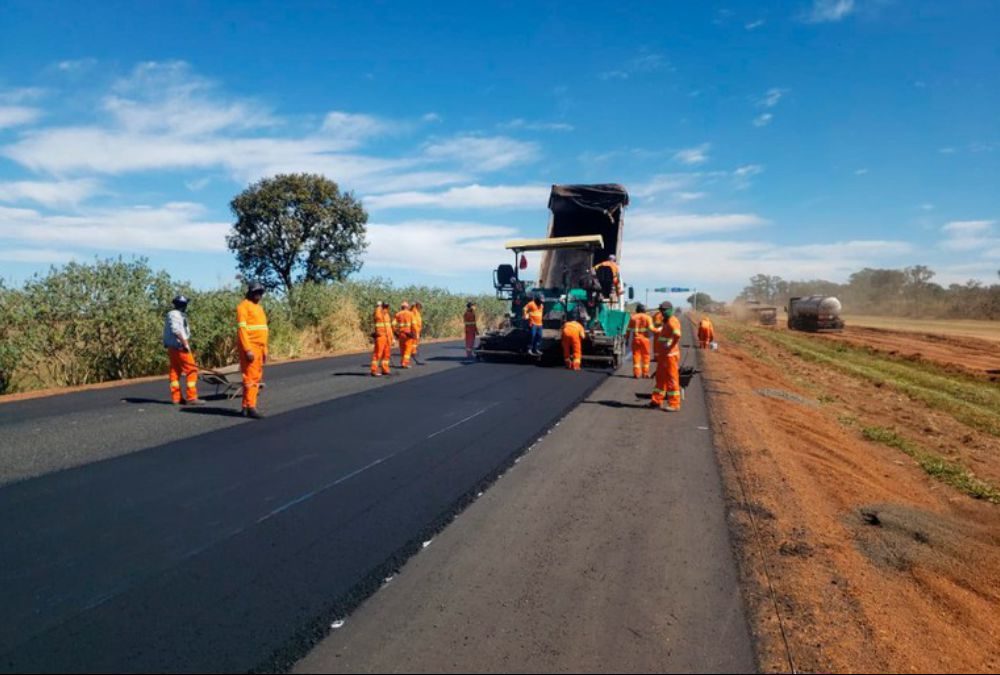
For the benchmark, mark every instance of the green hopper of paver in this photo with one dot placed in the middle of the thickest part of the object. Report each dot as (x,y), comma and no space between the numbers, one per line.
(585,229)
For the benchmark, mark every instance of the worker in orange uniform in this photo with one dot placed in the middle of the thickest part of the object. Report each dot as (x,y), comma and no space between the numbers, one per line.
(251,322)
(471,328)
(534,313)
(612,264)
(706,332)
(640,328)
(382,336)
(418,328)
(403,325)
(176,338)
(572,342)
(668,351)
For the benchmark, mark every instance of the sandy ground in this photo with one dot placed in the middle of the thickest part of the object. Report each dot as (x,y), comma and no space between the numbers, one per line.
(852,558)
(977,356)
(984,330)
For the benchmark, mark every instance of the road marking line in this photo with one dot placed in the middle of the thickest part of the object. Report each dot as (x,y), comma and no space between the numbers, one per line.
(313,493)
(477,414)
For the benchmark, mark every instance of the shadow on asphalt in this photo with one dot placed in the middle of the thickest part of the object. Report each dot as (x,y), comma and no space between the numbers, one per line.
(352,374)
(618,404)
(451,358)
(220,412)
(146,400)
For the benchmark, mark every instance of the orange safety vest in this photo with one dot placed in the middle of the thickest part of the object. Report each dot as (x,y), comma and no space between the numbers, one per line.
(383,323)
(640,324)
(403,323)
(251,326)
(418,321)
(534,313)
(573,329)
(470,320)
(671,330)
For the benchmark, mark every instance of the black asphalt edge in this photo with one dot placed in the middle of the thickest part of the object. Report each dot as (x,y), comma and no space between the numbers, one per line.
(740,536)
(298,646)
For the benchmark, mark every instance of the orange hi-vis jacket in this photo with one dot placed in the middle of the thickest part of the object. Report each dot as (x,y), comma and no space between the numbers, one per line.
(470,322)
(640,325)
(668,341)
(382,323)
(403,323)
(615,272)
(418,322)
(251,326)
(574,330)
(534,313)
(706,331)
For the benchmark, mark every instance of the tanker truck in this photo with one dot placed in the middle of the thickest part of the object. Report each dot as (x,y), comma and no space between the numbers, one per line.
(814,312)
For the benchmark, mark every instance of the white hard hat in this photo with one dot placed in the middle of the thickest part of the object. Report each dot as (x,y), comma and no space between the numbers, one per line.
(612,257)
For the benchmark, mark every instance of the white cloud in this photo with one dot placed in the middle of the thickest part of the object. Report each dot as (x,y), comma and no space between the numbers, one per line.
(653,225)
(353,129)
(947,151)
(49,193)
(486,153)
(175,226)
(466,197)
(748,170)
(75,65)
(644,63)
(431,117)
(689,196)
(520,123)
(35,255)
(860,172)
(664,182)
(753,25)
(927,207)
(17,115)
(824,11)
(772,97)
(437,247)
(696,155)
(970,235)
(763,120)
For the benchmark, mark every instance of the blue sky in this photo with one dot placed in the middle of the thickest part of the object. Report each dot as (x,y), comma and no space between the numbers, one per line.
(806,138)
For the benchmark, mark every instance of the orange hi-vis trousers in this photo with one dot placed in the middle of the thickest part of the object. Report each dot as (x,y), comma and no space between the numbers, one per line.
(253,373)
(668,381)
(406,345)
(705,337)
(182,365)
(572,351)
(381,354)
(640,356)
(470,339)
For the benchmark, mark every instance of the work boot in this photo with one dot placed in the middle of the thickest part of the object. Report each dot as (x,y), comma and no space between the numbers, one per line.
(252,414)
(195,402)
(376,374)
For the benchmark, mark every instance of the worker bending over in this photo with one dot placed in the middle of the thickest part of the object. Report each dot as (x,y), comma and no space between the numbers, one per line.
(534,312)
(403,325)
(251,332)
(640,329)
(668,352)
(471,328)
(572,342)
(418,328)
(706,332)
(176,338)
(382,336)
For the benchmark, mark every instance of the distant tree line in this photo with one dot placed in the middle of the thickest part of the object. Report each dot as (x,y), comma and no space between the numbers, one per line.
(909,292)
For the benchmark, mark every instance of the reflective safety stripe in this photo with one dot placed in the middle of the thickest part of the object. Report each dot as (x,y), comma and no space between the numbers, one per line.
(175,383)
(659,391)
(673,393)
(404,325)
(256,326)
(242,324)
(470,323)
(192,385)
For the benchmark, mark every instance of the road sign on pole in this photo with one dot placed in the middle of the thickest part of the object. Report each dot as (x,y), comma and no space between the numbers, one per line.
(676,289)
(659,290)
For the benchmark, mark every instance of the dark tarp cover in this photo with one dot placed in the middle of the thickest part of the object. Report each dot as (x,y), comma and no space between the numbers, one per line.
(605,197)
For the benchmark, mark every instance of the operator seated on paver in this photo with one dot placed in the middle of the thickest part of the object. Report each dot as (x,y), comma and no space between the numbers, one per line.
(706,332)
(251,333)
(534,313)
(668,350)
(382,338)
(176,338)
(640,329)
(612,264)
(573,334)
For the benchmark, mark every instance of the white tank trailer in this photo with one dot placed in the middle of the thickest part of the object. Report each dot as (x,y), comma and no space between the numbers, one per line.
(814,312)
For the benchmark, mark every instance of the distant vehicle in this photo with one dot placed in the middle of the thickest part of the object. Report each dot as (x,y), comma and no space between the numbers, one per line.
(766,315)
(585,229)
(814,312)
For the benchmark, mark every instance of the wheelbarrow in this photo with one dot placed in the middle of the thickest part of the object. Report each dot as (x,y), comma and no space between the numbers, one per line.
(227,380)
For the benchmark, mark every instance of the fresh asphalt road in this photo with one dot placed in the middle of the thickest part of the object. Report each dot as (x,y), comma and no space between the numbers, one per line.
(136,537)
